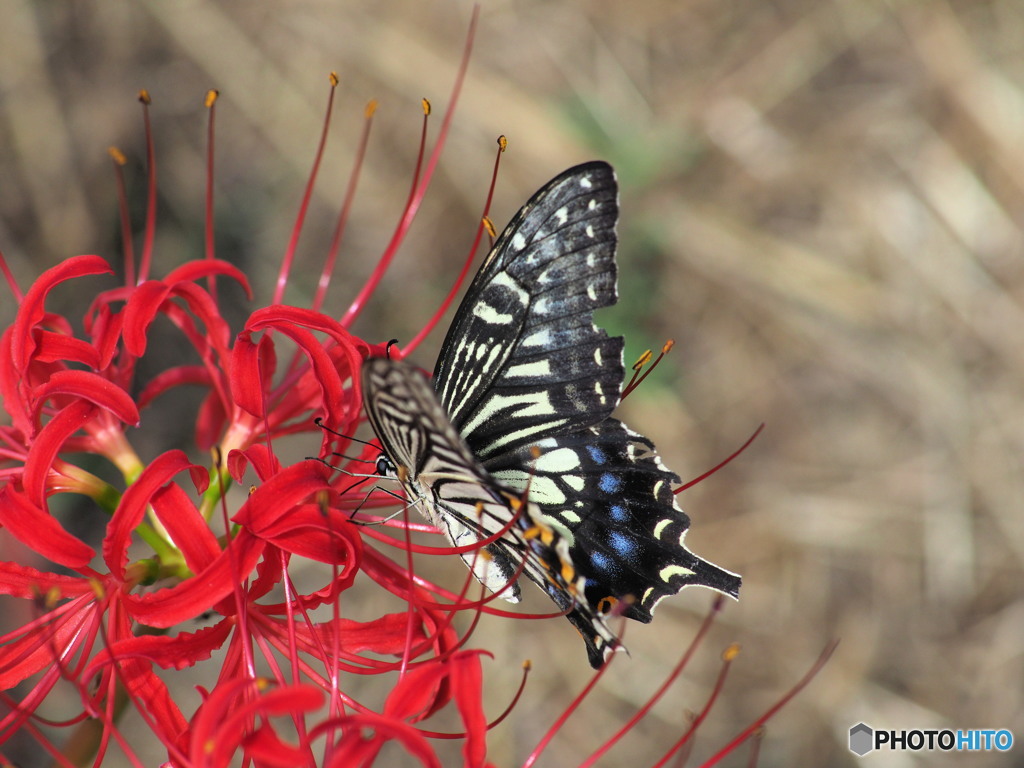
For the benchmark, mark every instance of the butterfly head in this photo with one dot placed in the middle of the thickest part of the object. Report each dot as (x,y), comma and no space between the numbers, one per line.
(385,467)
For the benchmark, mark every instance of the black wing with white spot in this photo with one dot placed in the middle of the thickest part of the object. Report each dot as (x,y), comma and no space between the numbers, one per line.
(523,359)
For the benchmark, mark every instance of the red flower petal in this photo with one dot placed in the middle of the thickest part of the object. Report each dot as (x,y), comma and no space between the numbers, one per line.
(191,271)
(133,505)
(48,443)
(179,651)
(467,689)
(143,306)
(417,692)
(25,582)
(40,531)
(91,387)
(167,607)
(31,310)
(186,526)
(56,347)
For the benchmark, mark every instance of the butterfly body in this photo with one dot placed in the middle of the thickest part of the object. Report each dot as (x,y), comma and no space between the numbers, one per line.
(517,425)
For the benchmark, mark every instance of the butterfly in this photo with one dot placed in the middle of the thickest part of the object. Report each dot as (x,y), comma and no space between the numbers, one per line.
(514,441)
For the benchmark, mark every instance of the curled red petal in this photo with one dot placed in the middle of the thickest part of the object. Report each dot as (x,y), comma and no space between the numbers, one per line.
(186,525)
(276,497)
(106,335)
(417,692)
(315,534)
(264,462)
(194,270)
(26,583)
(45,446)
(184,601)
(390,634)
(133,505)
(146,688)
(58,347)
(357,745)
(40,532)
(179,651)
(354,349)
(142,307)
(91,387)
(10,394)
(224,718)
(32,308)
(246,382)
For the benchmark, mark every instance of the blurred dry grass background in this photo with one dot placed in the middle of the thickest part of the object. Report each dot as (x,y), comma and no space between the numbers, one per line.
(821,204)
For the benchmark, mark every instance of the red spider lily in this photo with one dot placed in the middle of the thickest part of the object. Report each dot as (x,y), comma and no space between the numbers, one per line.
(105,630)
(105,622)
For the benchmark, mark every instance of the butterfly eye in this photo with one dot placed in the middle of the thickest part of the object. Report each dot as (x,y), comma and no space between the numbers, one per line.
(386,467)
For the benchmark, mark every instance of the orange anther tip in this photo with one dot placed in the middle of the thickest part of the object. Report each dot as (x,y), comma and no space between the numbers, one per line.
(371,107)
(668,346)
(334,79)
(211,97)
(489,226)
(502,143)
(426,107)
(144,97)
(642,361)
(731,652)
(527,665)
(535,451)
(117,155)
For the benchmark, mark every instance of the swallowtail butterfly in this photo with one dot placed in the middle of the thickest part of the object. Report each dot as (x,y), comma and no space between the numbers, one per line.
(515,435)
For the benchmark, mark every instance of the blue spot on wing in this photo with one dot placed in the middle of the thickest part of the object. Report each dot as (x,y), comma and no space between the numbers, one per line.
(609,483)
(600,561)
(621,543)
(596,454)
(619,513)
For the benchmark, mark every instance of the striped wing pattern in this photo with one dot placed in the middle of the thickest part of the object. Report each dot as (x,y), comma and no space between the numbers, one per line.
(524,367)
(460,498)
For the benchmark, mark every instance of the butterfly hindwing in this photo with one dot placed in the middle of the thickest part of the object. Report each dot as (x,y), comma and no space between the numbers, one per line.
(607,485)
(523,358)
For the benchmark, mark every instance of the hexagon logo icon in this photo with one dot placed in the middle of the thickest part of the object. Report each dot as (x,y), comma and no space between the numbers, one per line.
(861,739)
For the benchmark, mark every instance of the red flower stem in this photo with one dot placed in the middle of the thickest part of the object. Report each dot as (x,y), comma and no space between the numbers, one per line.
(418,339)
(746,732)
(300,218)
(211,104)
(641,713)
(149,233)
(420,189)
(346,208)
(722,463)
(685,739)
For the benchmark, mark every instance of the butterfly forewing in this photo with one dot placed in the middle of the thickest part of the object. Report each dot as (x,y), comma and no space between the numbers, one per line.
(523,359)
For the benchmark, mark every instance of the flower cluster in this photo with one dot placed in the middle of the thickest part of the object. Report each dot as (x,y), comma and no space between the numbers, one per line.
(105,629)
